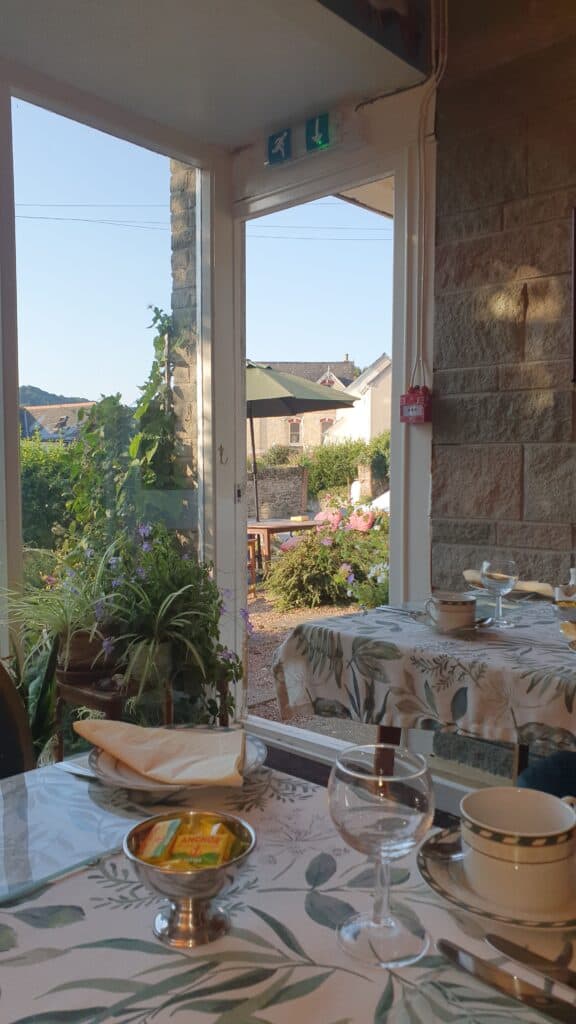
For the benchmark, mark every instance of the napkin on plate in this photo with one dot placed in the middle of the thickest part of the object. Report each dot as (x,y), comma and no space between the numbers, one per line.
(178,757)
(526,586)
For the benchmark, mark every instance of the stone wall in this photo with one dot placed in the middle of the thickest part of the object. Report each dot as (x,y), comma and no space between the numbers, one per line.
(504,433)
(183,184)
(282,492)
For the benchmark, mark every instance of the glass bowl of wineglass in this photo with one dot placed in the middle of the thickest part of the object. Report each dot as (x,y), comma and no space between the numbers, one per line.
(499,576)
(381,801)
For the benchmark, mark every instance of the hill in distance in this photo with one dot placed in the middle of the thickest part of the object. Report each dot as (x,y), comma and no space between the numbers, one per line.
(36,396)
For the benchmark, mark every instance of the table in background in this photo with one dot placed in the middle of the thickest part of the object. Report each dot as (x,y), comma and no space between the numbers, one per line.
(265,529)
(383,667)
(80,945)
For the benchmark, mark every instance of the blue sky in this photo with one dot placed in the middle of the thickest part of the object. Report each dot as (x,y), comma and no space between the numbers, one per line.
(93,252)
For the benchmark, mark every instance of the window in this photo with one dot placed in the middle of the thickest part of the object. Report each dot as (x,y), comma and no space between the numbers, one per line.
(325,425)
(295,428)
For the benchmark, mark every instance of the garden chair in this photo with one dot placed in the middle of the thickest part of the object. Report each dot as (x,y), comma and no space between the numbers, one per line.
(16,748)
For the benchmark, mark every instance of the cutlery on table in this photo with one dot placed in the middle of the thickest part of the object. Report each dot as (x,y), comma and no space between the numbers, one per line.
(524,992)
(551,970)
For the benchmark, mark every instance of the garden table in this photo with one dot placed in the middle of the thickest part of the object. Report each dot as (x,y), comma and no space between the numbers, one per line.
(384,667)
(76,939)
(265,529)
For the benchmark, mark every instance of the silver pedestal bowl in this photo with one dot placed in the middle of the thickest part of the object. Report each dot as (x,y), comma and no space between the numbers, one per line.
(191,919)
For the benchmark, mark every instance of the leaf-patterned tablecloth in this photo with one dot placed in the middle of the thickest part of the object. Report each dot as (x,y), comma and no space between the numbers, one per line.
(80,950)
(385,667)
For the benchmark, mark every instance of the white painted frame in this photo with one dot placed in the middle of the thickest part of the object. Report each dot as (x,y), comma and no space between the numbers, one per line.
(377,141)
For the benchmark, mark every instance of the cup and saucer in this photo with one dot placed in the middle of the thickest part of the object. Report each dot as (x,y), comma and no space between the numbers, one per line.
(452,613)
(511,860)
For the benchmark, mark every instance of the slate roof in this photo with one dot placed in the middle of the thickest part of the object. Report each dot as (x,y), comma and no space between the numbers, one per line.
(52,422)
(344,370)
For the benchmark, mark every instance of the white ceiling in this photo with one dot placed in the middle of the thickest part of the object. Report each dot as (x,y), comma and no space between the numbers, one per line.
(224,71)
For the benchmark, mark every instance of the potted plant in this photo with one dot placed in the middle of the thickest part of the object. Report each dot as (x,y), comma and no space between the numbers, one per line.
(72,611)
(167,611)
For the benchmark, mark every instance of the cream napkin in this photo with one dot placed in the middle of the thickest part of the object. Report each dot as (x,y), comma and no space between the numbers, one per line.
(526,586)
(179,757)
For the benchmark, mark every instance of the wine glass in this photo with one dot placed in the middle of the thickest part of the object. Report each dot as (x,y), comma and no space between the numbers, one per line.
(382,803)
(499,576)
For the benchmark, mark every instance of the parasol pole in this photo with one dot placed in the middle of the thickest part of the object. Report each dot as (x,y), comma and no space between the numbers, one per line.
(254,469)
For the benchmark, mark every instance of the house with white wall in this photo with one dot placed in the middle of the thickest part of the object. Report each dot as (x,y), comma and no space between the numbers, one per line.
(371,414)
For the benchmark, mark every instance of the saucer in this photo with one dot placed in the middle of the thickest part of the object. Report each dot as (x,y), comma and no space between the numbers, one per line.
(483,622)
(445,875)
(111,772)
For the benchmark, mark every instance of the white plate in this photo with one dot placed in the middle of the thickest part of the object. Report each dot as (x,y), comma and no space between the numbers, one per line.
(111,772)
(446,877)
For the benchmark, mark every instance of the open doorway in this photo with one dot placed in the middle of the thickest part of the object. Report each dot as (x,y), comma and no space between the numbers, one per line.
(319,306)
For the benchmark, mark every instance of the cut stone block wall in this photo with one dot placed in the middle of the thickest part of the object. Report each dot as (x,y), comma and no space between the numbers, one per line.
(504,433)
(282,492)
(183,185)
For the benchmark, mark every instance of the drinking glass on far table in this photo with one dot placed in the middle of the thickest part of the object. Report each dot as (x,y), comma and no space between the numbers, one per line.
(499,576)
(382,803)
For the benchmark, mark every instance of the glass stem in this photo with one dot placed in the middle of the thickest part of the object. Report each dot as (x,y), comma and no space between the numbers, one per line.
(381,909)
(498,607)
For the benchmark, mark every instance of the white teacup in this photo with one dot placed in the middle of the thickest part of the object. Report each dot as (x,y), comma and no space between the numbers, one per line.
(519,848)
(451,610)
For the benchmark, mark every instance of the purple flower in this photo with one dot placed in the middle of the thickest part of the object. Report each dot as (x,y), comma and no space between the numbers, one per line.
(350,578)
(145,529)
(118,582)
(107,646)
(227,655)
(185,557)
(70,573)
(146,546)
(114,561)
(89,553)
(141,573)
(245,615)
(99,609)
(327,542)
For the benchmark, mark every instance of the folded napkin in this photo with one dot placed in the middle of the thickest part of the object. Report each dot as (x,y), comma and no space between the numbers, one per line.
(179,757)
(526,586)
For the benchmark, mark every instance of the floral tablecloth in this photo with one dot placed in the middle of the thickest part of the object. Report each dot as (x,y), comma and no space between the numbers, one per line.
(80,948)
(385,667)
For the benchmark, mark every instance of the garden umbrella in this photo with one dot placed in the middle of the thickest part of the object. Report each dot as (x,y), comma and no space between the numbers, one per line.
(274,393)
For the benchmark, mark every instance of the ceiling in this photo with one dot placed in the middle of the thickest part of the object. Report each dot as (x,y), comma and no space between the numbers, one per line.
(223,71)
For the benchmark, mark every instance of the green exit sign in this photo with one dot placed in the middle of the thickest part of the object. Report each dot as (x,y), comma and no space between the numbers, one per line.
(318,132)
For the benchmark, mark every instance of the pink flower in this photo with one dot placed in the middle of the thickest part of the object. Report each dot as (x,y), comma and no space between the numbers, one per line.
(290,544)
(331,518)
(361,521)
(327,542)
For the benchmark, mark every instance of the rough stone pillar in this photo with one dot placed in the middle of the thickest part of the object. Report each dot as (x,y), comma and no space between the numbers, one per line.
(183,194)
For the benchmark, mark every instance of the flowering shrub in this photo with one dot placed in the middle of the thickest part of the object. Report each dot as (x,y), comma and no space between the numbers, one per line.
(335,564)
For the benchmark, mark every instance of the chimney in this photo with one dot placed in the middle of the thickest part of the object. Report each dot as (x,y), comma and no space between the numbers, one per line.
(346,357)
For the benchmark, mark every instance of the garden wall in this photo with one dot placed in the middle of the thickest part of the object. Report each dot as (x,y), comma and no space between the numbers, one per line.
(282,492)
(504,451)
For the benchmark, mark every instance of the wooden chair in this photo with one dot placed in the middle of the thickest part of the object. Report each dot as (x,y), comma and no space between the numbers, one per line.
(251,563)
(16,748)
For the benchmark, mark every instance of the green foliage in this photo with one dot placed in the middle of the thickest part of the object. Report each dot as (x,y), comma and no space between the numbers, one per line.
(328,566)
(334,466)
(47,476)
(154,447)
(277,455)
(103,488)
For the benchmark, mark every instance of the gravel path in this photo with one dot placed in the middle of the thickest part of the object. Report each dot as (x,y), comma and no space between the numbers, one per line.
(271,627)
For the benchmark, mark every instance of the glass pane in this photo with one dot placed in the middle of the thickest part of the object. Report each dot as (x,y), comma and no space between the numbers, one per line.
(115,597)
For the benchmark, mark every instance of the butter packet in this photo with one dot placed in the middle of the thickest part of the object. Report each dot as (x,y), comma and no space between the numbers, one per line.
(207,847)
(156,843)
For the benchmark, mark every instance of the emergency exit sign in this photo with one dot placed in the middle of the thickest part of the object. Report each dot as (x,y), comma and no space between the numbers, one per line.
(317,132)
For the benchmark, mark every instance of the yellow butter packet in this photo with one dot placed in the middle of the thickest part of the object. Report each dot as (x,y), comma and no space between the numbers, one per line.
(156,843)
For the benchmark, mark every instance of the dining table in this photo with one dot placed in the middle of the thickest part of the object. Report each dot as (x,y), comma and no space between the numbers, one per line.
(76,940)
(392,667)
(265,529)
